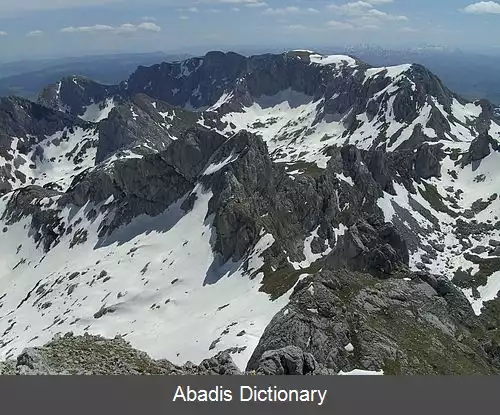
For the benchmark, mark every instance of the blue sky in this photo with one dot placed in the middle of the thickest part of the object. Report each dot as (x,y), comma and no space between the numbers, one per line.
(75,27)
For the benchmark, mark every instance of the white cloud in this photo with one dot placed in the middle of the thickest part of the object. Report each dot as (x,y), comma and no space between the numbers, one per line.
(352,8)
(294,27)
(282,10)
(288,10)
(186,11)
(256,4)
(246,3)
(337,25)
(35,33)
(385,16)
(483,7)
(365,10)
(2,33)
(362,15)
(123,29)
(87,29)
(368,27)
(149,26)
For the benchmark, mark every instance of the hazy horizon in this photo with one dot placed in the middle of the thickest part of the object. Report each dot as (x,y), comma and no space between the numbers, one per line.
(63,28)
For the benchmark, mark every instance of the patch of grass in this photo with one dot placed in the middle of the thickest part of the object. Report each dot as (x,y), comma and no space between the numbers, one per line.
(304,167)
(392,367)
(431,195)
(279,282)
(429,350)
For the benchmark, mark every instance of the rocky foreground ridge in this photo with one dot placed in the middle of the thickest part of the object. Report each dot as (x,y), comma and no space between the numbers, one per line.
(344,320)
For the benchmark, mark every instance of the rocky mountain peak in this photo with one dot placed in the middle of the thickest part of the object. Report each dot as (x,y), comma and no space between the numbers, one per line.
(74,94)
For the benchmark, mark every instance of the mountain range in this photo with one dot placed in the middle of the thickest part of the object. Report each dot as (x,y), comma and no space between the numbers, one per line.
(472,74)
(26,78)
(291,213)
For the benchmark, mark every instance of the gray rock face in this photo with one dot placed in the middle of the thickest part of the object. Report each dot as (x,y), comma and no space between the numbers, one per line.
(45,223)
(480,148)
(175,82)
(289,360)
(139,125)
(95,355)
(428,161)
(124,130)
(378,165)
(348,320)
(74,93)
(24,119)
(30,124)
(374,247)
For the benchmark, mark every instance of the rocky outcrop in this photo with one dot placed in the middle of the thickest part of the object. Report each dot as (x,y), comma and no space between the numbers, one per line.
(33,122)
(289,360)
(95,355)
(428,161)
(344,320)
(128,126)
(480,148)
(175,82)
(73,94)
(371,246)
(25,128)
(46,225)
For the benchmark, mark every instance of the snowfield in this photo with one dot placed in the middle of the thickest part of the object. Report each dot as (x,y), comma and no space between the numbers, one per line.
(156,288)
(98,111)
(65,154)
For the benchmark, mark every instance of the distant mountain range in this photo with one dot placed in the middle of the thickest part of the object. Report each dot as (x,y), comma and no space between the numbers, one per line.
(473,75)
(27,78)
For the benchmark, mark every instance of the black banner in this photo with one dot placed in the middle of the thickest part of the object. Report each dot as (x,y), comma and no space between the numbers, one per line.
(249,395)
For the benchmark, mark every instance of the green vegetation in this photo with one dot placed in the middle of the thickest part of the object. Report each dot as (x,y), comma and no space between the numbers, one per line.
(278,282)
(304,167)
(432,196)
(429,350)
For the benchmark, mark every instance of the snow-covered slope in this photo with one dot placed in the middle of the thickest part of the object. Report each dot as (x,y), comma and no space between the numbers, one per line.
(98,112)
(80,96)
(147,285)
(64,155)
